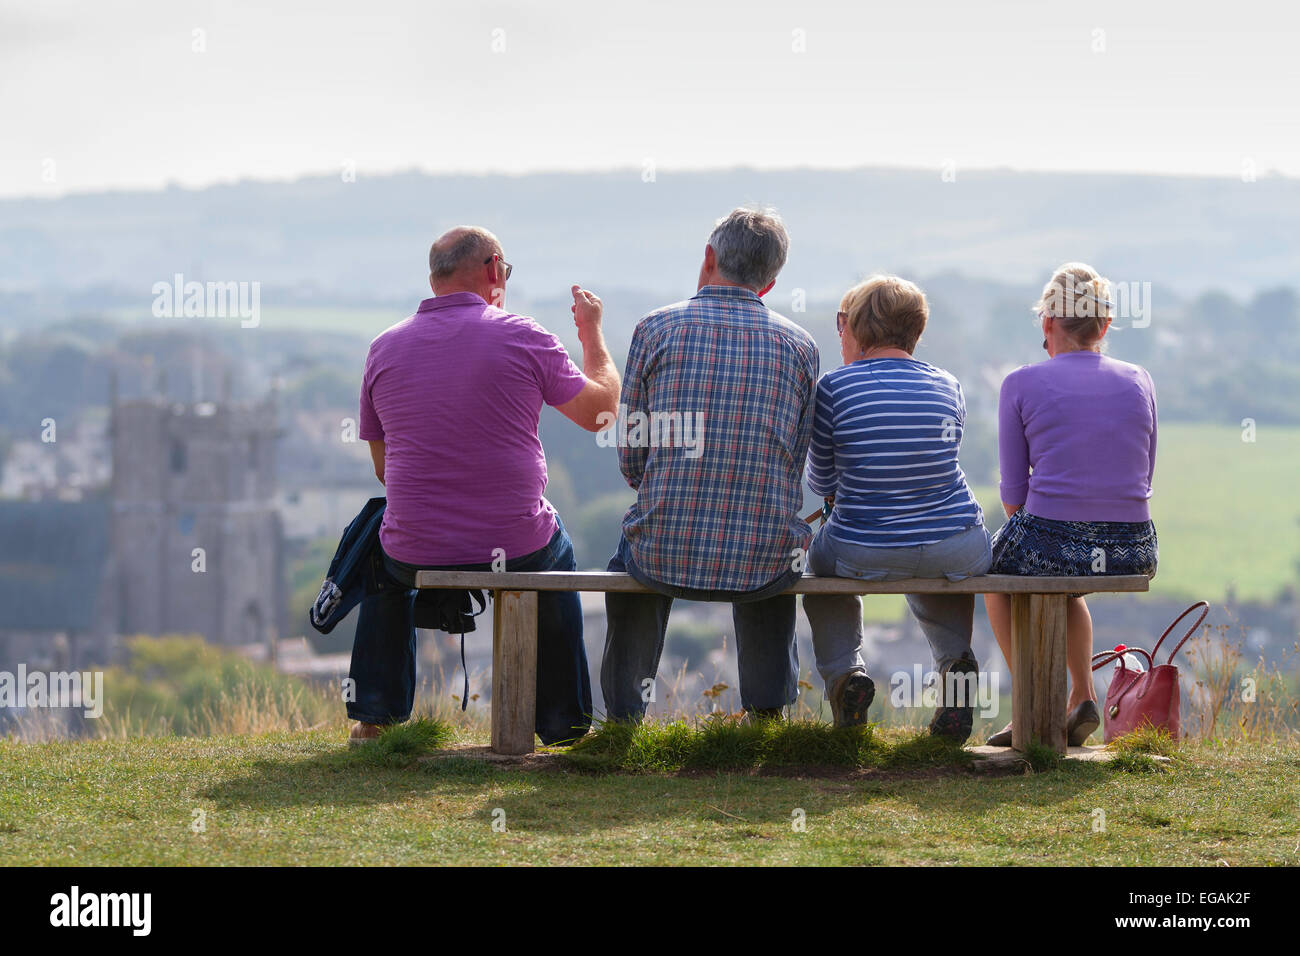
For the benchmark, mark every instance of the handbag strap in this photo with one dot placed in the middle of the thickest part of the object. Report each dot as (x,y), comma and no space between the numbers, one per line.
(1142,679)
(824,512)
(1117,654)
(1146,685)
(1205,609)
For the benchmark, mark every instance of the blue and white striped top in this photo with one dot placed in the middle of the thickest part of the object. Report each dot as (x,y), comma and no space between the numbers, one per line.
(885,438)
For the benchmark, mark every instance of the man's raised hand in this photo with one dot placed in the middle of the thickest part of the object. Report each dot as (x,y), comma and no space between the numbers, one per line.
(596,406)
(587,310)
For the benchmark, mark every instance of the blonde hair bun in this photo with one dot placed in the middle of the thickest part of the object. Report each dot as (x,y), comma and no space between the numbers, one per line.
(1079,298)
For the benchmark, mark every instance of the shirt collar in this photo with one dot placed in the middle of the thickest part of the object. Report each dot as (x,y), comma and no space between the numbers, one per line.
(450,300)
(727,292)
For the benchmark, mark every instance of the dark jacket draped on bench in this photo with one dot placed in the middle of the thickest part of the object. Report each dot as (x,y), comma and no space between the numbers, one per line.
(357,573)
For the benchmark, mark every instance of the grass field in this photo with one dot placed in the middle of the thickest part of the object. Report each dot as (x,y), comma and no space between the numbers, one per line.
(1227,511)
(304,798)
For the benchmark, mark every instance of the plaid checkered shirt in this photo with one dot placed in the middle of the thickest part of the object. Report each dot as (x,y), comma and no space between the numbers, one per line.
(718,511)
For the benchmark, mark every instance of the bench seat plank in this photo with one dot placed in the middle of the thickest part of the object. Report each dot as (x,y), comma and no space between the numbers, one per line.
(617,581)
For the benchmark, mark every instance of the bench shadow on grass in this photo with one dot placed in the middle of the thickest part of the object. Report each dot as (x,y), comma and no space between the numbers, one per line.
(618,776)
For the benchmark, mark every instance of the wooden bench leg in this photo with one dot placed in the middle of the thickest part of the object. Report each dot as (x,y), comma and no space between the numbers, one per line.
(1038,686)
(514,671)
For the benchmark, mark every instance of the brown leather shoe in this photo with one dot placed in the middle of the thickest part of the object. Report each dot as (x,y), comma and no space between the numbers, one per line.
(363,734)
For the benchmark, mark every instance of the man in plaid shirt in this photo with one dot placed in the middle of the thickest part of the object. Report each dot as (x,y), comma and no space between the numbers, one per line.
(715,418)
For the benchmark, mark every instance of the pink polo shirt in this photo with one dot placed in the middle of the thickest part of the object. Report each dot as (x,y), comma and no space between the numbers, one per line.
(455,392)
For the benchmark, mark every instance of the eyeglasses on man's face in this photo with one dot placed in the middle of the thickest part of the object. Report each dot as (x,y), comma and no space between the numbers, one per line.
(506,267)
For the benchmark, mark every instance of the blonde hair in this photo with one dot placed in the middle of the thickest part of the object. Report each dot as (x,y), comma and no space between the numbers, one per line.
(1079,298)
(884,311)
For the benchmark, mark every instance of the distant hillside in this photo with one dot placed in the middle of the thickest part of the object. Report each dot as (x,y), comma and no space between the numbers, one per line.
(323,240)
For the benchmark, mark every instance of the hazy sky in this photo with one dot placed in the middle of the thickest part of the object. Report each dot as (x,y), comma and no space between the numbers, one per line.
(108,94)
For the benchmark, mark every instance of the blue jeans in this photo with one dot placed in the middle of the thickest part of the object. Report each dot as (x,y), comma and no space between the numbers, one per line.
(383,654)
(945,619)
(764,619)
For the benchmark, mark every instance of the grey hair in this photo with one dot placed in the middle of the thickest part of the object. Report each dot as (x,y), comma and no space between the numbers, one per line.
(751,246)
(458,246)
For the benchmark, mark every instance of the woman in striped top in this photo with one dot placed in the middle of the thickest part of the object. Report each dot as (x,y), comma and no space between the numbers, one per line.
(886,430)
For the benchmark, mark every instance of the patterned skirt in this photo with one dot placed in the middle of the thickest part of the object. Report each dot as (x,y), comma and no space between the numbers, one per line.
(1041,547)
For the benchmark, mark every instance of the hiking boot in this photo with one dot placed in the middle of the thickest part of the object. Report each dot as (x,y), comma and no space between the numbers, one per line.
(951,721)
(850,697)
(757,714)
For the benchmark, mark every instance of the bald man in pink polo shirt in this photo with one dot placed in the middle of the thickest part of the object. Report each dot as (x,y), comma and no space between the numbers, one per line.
(450,399)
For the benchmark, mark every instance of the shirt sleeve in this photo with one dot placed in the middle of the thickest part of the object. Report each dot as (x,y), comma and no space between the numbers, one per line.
(1151,464)
(560,379)
(631,461)
(1013,448)
(822,476)
(807,404)
(371,428)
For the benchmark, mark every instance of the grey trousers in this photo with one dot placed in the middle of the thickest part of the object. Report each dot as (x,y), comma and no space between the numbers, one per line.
(945,619)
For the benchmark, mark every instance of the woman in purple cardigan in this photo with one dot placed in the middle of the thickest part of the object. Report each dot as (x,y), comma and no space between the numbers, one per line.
(1077,448)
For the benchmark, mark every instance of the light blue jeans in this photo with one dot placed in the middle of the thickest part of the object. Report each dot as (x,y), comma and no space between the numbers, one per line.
(945,619)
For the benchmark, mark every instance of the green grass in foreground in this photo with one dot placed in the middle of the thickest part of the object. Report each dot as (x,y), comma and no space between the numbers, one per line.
(728,744)
(306,798)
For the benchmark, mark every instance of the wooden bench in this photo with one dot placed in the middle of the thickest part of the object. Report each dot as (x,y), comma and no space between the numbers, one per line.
(1038,693)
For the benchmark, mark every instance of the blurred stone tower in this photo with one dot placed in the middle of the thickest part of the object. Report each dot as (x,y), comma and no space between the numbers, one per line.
(196,538)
